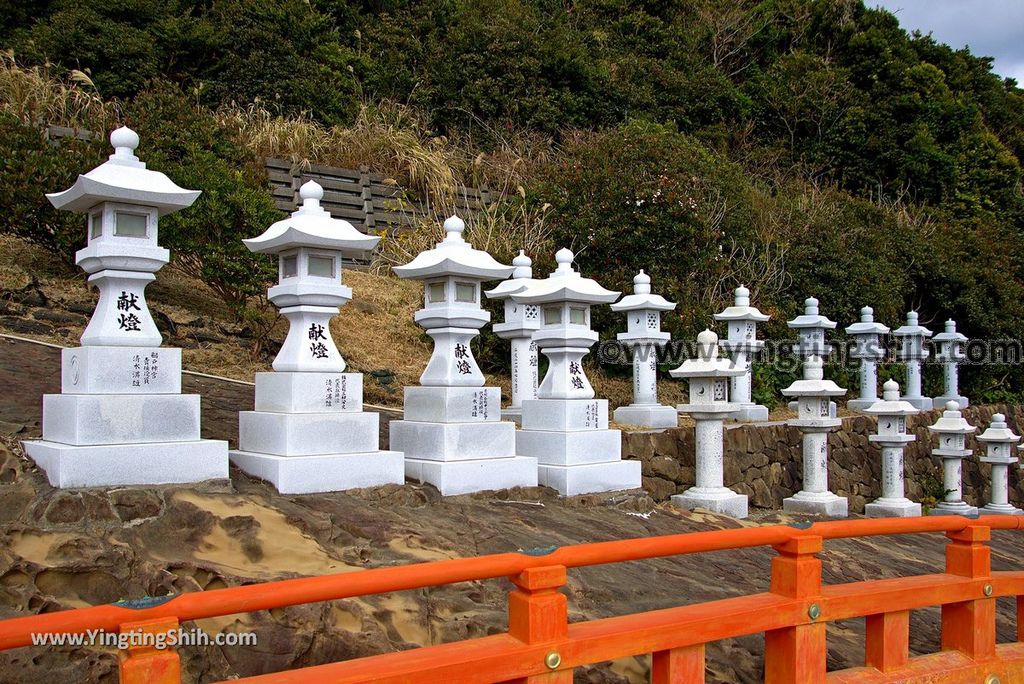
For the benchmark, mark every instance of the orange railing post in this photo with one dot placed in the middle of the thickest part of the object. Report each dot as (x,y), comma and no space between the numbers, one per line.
(887,640)
(796,655)
(678,666)
(970,626)
(538,613)
(142,662)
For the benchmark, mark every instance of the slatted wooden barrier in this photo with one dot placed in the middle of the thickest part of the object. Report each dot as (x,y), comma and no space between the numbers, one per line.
(541,647)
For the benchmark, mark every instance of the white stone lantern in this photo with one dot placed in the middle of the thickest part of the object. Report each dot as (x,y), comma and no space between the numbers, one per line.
(742,344)
(521,321)
(565,428)
(643,335)
(950,351)
(913,352)
(999,440)
(892,438)
(810,328)
(869,349)
(952,429)
(814,420)
(709,406)
(308,432)
(121,418)
(452,434)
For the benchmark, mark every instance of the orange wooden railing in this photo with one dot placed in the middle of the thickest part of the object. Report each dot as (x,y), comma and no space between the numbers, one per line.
(541,647)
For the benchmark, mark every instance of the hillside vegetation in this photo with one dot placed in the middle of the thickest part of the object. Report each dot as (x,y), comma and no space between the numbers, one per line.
(800,147)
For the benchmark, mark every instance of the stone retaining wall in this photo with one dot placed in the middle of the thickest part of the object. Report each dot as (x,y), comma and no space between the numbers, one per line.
(764,460)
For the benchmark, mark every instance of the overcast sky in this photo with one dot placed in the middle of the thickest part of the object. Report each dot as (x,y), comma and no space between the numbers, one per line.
(991,28)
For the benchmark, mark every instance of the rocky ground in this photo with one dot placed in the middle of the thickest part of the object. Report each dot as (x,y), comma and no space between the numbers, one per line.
(64,549)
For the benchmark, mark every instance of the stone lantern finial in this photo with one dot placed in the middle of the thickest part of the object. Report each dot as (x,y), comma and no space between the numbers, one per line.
(891,390)
(453,228)
(952,429)
(311,193)
(641,283)
(124,141)
(999,440)
(892,438)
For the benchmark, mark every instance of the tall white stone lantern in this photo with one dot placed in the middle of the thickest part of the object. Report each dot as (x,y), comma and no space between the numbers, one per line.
(742,344)
(952,429)
(869,349)
(565,428)
(892,438)
(452,434)
(121,418)
(643,334)
(521,321)
(810,328)
(815,422)
(709,405)
(308,432)
(999,440)
(913,352)
(950,351)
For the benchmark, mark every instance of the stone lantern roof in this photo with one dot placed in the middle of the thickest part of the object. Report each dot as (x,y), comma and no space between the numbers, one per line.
(522,277)
(890,403)
(707,364)
(912,329)
(312,226)
(123,178)
(453,256)
(952,421)
(565,284)
(642,299)
(867,324)
(811,318)
(813,383)
(741,310)
(998,432)
(950,334)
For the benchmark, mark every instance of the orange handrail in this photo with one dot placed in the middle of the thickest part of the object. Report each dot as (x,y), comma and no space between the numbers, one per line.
(779,611)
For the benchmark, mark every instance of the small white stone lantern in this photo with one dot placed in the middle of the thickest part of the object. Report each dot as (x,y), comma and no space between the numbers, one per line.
(521,321)
(452,434)
(913,352)
(815,422)
(742,344)
(950,351)
(565,428)
(643,335)
(892,438)
(308,432)
(999,440)
(121,418)
(869,349)
(810,328)
(709,405)
(952,429)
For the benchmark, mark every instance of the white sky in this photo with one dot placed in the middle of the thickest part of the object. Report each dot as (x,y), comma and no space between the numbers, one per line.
(990,28)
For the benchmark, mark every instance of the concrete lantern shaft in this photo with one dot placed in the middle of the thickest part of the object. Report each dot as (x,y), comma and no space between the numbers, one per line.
(892,438)
(999,440)
(952,430)
(868,348)
(913,352)
(123,201)
(742,344)
(451,314)
(950,351)
(521,322)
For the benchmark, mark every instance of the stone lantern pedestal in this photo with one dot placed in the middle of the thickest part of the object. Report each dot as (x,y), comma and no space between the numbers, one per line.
(120,418)
(999,440)
(452,434)
(810,328)
(892,438)
(815,422)
(709,406)
(565,429)
(869,350)
(644,335)
(952,430)
(308,432)
(521,321)
(742,344)
(913,352)
(950,346)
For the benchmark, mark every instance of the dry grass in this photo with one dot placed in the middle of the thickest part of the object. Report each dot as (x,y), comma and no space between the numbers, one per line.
(38,98)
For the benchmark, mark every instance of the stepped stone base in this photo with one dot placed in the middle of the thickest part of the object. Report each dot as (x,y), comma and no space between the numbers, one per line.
(473,475)
(717,500)
(307,434)
(453,441)
(453,404)
(859,404)
(920,403)
(892,508)
(570,448)
(940,402)
(958,508)
(95,419)
(1000,509)
(565,415)
(513,415)
(112,465)
(590,478)
(647,416)
(826,504)
(120,370)
(323,472)
(750,413)
(305,392)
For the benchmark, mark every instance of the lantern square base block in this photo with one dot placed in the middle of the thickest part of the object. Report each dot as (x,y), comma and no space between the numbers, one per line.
(111,465)
(307,434)
(295,392)
(750,413)
(565,415)
(717,500)
(940,402)
(453,404)
(823,503)
(323,472)
(958,508)
(647,416)
(92,419)
(892,508)
(999,509)
(453,441)
(474,475)
(120,370)
(590,478)
(570,448)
